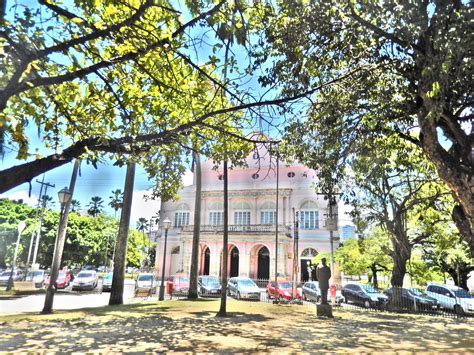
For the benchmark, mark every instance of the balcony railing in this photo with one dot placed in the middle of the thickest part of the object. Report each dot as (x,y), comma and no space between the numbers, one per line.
(240,228)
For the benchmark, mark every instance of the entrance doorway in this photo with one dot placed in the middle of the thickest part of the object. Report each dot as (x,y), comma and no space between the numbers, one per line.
(308,269)
(234,262)
(263,268)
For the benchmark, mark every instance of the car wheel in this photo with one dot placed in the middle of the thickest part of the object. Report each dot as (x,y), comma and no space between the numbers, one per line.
(238,295)
(367,304)
(458,310)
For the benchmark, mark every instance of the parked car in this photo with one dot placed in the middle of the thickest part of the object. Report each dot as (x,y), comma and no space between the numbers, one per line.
(63,280)
(144,282)
(86,279)
(282,290)
(209,286)
(413,298)
(452,297)
(107,281)
(5,276)
(38,277)
(243,287)
(311,291)
(364,294)
(179,284)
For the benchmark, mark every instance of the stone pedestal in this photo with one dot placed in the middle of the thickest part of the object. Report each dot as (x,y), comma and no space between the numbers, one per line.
(324,310)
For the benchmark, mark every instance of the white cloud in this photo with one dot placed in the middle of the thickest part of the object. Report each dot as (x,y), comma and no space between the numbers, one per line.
(143,208)
(21,195)
(188,178)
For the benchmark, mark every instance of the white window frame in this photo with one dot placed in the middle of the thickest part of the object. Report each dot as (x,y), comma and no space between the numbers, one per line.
(267,217)
(242,217)
(309,219)
(216,218)
(181,218)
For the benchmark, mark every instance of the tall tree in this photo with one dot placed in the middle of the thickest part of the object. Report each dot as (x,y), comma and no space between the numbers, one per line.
(96,205)
(142,226)
(116,200)
(75,206)
(193,274)
(405,64)
(116,293)
(80,73)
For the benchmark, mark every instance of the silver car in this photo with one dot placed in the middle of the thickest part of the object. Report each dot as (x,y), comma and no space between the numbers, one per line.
(85,280)
(243,287)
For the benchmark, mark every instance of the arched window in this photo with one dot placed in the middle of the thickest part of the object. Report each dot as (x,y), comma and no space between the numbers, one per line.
(309,218)
(268,212)
(241,213)
(181,215)
(216,214)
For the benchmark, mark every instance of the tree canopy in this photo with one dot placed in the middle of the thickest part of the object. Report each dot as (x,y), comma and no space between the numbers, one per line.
(405,69)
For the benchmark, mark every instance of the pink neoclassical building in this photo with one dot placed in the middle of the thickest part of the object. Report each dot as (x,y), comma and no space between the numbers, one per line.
(252,221)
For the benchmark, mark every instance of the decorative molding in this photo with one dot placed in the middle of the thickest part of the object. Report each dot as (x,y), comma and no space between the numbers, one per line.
(249,193)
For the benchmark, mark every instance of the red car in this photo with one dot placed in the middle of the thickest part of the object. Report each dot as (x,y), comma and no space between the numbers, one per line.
(180,284)
(63,280)
(282,290)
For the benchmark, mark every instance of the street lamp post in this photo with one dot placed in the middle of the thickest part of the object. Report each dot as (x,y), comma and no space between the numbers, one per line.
(64,197)
(21,227)
(166,226)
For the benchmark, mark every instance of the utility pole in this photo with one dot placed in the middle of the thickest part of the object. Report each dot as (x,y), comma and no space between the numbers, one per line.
(38,232)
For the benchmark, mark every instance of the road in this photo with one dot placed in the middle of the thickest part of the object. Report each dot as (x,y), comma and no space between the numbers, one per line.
(63,299)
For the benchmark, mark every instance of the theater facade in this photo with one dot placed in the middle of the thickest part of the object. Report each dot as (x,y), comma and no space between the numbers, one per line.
(252,221)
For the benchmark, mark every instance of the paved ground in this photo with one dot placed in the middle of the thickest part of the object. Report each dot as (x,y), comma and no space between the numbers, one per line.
(63,299)
(252,326)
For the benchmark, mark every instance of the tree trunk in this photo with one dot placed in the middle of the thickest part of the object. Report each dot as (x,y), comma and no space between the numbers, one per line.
(193,277)
(223,308)
(120,258)
(373,268)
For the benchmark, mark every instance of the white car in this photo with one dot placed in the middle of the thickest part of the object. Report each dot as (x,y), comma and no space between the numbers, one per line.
(5,276)
(144,282)
(452,297)
(38,277)
(85,280)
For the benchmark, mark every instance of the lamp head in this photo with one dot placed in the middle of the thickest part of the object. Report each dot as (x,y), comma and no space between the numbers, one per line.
(64,196)
(166,224)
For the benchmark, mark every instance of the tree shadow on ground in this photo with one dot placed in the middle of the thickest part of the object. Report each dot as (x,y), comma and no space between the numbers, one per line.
(145,327)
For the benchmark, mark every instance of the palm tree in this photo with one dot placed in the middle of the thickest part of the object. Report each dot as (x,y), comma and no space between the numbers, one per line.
(95,206)
(116,200)
(76,206)
(142,225)
(120,257)
(193,275)
(47,201)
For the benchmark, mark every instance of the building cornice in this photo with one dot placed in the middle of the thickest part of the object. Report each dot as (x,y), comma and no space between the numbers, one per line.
(249,193)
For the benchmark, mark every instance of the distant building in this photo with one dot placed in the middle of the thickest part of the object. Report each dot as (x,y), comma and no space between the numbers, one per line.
(252,220)
(347,232)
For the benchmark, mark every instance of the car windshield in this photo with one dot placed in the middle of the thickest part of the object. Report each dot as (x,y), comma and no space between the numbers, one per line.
(462,294)
(246,283)
(108,276)
(145,278)
(368,288)
(85,274)
(6,273)
(34,274)
(181,280)
(61,275)
(209,281)
(284,285)
(415,292)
